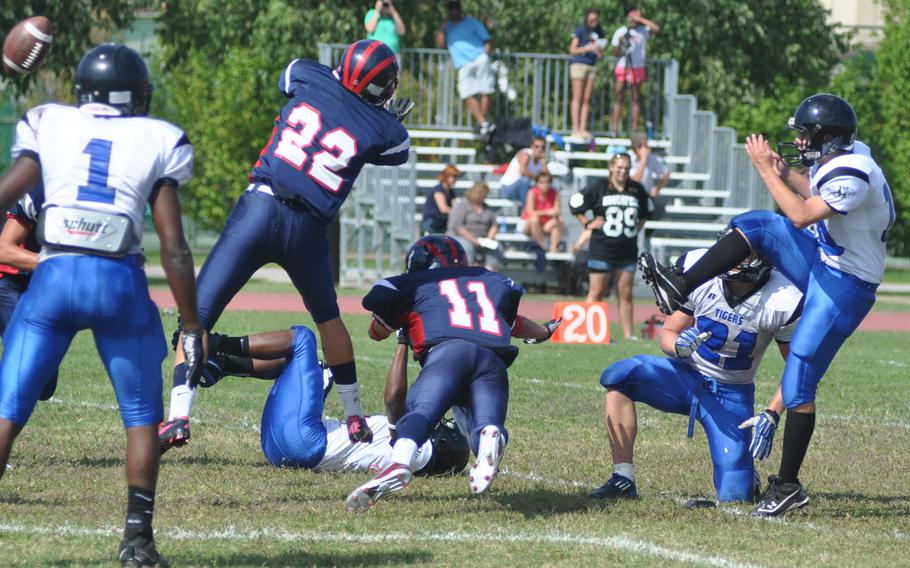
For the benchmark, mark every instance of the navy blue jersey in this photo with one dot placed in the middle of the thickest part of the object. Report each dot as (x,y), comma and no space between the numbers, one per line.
(25,212)
(473,304)
(322,138)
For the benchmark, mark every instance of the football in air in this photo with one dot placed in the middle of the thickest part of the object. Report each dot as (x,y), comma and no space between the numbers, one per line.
(26,46)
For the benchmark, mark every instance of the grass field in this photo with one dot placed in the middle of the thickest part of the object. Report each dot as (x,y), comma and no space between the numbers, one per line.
(62,503)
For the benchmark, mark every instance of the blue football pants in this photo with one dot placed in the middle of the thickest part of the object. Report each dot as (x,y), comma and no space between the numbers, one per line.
(293,434)
(670,385)
(835,302)
(74,292)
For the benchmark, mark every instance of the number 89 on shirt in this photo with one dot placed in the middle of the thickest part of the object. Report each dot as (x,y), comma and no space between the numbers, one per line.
(583,322)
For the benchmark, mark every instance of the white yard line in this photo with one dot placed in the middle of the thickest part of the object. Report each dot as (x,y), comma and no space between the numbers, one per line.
(231,533)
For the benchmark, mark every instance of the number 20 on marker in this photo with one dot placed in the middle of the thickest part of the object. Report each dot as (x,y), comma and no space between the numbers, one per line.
(582,322)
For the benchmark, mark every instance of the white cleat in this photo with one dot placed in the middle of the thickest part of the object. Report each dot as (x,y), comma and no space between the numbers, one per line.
(390,480)
(489,453)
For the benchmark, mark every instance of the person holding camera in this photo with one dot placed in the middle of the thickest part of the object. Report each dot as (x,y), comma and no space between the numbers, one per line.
(383,23)
(587,46)
(629,46)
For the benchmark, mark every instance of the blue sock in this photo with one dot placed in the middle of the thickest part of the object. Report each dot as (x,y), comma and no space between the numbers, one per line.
(179,375)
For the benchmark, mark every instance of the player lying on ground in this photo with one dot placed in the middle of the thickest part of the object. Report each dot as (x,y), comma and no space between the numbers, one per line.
(101,164)
(838,268)
(19,249)
(294,432)
(715,342)
(460,320)
(334,122)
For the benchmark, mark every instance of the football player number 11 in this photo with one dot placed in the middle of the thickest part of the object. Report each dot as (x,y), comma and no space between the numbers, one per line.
(582,322)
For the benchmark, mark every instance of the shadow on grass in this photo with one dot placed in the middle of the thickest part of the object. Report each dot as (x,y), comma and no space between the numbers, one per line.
(297,558)
(858,505)
(543,502)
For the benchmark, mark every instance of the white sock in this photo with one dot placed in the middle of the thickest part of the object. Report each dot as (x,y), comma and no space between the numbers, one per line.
(350,399)
(626,470)
(404,451)
(181,401)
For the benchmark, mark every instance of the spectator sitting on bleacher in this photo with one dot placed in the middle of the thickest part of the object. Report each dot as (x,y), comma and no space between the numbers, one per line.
(648,168)
(439,202)
(543,213)
(619,207)
(525,166)
(473,223)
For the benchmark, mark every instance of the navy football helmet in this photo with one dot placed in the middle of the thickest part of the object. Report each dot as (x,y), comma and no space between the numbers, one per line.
(451,450)
(114,75)
(369,69)
(828,122)
(435,251)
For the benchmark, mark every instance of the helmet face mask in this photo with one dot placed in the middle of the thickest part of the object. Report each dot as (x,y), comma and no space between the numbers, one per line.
(826,123)
(114,75)
(435,251)
(754,269)
(369,69)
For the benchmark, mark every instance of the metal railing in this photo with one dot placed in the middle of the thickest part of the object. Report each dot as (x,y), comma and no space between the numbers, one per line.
(529,85)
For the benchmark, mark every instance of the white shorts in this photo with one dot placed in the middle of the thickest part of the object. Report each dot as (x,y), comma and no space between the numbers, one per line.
(476,78)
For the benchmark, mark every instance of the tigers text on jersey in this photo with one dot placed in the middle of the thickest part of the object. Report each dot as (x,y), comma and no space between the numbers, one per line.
(323,137)
(343,455)
(473,304)
(853,240)
(621,210)
(741,330)
(93,158)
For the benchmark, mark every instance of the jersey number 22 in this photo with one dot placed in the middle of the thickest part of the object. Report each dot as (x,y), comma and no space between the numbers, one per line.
(303,124)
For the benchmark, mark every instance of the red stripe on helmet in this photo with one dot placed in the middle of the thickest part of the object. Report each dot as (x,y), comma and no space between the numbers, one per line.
(346,67)
(355,74)
(454,250)
(375,71)
(437,254)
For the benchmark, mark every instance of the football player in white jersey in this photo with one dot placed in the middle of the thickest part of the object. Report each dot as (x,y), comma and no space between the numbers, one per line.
(838,267)
(294,432)
(101,162)
(715,343)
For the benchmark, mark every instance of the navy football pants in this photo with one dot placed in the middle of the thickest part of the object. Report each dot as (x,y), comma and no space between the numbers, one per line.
(457,373)
(670,385)
(261,230)
(835,302)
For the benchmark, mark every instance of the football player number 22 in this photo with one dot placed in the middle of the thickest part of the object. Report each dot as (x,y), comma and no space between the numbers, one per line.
(460,317)
(583,322)
(338,147)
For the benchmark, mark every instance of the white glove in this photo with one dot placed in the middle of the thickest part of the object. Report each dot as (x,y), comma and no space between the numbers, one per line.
(765,424)
(689,341)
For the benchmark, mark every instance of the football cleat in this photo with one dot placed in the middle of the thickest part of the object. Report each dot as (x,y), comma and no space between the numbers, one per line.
(668,285)
(617,487)
(390,480)
(174,433)
(140,551)
(489,453)
(780,497)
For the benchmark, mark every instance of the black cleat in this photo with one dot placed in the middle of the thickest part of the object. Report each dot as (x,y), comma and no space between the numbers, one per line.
(668,285)
(780,497)
(173,433)
(617,487)
(140,551)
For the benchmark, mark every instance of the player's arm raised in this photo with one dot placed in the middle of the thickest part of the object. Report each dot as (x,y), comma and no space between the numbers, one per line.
(177,261)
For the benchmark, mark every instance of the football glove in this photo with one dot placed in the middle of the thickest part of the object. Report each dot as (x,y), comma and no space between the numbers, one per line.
(403,337)
(400,108)
(689,341)
(358,429)
(551,329)
(765,424)
(194,355)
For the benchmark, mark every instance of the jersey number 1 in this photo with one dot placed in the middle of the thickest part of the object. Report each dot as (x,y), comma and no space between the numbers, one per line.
(460,317)
(99,164)
(303,124)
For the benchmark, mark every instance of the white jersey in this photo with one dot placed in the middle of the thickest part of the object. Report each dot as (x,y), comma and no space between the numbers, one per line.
(853,240)
(513,172)
(341,454)
(741,331)
(638,37)
(93,158)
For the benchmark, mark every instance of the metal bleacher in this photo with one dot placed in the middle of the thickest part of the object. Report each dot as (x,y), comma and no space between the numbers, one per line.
(711,180)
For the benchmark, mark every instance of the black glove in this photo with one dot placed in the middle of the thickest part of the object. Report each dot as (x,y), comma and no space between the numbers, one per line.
(551,328)
(400,108)
(403,337)
(194,355)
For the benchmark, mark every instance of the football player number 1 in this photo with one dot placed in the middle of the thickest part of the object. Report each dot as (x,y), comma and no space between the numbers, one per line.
(303,124)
